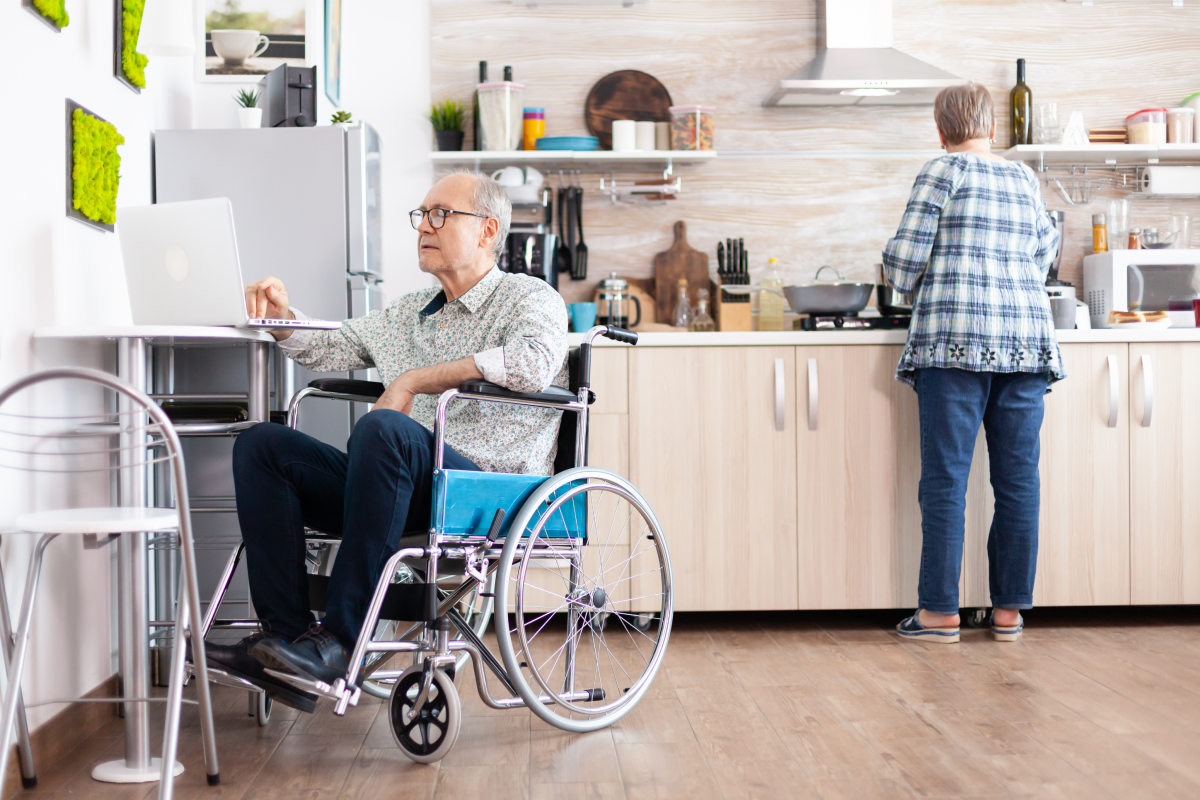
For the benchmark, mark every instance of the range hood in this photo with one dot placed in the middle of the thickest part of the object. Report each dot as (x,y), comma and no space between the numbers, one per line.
(856,64)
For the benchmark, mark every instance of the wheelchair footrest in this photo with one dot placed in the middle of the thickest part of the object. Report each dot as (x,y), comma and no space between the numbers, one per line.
(403,601)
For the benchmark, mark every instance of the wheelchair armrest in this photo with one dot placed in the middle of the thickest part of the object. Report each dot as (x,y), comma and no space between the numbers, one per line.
(344,386)
(553,394)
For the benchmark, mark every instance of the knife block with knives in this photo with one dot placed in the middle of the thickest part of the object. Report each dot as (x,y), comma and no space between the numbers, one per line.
(733,310)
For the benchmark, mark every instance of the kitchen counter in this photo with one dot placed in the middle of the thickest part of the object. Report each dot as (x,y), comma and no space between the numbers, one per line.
(809,338)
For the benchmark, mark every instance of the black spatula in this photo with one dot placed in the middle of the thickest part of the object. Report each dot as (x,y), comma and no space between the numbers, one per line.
(581,252)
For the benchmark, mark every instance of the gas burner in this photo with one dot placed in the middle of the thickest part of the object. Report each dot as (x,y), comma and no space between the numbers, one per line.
(853,322)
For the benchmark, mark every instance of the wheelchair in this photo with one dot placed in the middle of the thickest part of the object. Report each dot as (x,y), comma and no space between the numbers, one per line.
(573,569)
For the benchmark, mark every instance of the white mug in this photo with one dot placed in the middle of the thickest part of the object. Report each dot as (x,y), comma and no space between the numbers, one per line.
(235,46)
(509,176)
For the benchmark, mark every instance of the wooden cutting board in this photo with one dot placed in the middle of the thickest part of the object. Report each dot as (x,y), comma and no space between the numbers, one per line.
(681,261)
(628,94)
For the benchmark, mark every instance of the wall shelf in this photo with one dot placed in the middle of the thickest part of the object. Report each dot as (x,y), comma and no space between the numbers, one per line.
(605,160)
(1102,155)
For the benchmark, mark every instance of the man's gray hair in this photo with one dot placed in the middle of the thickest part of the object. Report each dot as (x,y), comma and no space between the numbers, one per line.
(964,112)
(491,200)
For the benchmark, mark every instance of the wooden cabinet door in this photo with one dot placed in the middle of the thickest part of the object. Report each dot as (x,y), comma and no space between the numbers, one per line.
(1083,538)
(858,451)
(1164,474)
(706,453)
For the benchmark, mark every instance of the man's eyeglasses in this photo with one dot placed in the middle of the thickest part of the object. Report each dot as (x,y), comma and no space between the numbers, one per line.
(437,216)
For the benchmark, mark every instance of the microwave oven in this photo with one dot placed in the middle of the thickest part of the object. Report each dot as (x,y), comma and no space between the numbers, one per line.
(1138,280)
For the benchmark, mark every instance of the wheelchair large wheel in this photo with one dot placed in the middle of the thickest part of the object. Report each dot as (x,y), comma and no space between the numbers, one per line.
(427,736)
(574,647)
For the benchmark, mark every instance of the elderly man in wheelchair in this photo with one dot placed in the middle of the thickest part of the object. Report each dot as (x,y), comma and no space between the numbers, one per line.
(466,488)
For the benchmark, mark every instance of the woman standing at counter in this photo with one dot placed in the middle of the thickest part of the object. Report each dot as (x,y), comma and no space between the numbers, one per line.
(974,248)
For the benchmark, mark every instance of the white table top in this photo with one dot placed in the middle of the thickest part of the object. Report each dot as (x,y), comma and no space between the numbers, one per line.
(174,332)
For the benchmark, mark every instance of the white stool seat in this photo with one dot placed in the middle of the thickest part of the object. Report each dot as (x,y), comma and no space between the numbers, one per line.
(99,520)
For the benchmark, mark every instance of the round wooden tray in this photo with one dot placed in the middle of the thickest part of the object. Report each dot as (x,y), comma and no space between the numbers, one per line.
(627,94)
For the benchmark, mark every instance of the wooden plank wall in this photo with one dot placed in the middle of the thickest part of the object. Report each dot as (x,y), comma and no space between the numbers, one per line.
(1105,61)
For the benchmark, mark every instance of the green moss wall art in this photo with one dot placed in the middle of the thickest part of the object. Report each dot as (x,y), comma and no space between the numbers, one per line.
(94,168)
(133,63)
(52,12)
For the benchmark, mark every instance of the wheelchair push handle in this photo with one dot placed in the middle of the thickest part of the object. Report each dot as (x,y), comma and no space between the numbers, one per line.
(621,335)
(616,334)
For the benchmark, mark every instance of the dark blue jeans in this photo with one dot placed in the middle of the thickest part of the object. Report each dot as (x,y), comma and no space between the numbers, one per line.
(953,403)
(369,496)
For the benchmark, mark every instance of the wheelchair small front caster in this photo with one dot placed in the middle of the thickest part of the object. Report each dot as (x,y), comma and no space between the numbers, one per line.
(262,708)
(977,618)
(427,736)
(644,622)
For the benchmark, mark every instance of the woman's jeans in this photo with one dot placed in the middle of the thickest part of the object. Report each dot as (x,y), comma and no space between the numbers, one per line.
(953,402)
(286,480)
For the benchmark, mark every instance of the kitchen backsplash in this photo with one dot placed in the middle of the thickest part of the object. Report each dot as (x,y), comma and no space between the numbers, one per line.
(840,208)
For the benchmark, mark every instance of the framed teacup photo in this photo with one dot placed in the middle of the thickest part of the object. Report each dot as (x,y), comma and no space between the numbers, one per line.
(246,39)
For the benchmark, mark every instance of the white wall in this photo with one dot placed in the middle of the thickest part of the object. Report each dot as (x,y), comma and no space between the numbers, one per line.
(56,271)
(386,81)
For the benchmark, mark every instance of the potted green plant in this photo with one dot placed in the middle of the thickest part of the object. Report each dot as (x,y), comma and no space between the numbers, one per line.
(447,119)
(341,118)
(249,115)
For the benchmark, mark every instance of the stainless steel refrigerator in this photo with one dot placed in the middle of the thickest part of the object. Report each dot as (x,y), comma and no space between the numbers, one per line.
(306,207)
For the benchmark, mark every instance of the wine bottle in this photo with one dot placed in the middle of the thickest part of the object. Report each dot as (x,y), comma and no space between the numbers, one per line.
(1022,109)
(475,106)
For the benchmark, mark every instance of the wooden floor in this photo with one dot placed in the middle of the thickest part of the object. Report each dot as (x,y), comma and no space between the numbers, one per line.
(1095,704)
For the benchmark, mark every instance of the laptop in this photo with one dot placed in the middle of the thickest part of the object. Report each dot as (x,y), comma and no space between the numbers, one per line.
(182,267)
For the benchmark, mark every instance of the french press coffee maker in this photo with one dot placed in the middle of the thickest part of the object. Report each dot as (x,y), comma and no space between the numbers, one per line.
(614,295)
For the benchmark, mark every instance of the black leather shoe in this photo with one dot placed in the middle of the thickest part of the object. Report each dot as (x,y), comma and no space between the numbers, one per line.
(315,655)
(236,660)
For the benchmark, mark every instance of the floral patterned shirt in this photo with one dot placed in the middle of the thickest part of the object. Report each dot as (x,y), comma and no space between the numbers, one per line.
(515,326)
(974,248)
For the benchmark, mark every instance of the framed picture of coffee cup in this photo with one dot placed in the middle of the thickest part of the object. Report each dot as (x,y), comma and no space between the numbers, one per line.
(243,40)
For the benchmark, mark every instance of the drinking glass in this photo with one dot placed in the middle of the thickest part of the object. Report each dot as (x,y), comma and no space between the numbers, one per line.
(1046,129)
(1180,227)
(1118,224)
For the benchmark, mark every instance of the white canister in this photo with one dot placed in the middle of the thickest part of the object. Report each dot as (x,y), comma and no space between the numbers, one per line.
(662,136)
(624,135)
(1193,101)
(644,135)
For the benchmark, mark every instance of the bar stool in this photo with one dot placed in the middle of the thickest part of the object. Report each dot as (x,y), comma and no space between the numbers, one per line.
(143,429)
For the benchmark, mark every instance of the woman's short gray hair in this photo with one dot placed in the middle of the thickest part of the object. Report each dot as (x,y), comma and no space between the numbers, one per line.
(490,199)
(964,112)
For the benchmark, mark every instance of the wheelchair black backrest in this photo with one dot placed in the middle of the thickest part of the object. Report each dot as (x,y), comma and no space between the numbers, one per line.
(568,428)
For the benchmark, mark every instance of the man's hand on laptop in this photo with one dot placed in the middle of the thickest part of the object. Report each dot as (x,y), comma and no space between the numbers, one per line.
(268,299)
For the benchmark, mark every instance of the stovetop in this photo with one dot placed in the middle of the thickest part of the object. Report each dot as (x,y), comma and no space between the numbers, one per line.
(854,323)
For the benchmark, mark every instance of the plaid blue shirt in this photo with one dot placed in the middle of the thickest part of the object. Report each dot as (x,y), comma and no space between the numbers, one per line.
(974,248)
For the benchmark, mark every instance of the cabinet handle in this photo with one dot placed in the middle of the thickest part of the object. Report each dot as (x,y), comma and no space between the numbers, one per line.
(1114,392)
(780,394)
(813,394)
(1147,391)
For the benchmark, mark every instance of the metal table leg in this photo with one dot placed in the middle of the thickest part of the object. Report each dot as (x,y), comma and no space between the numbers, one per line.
(132,560)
